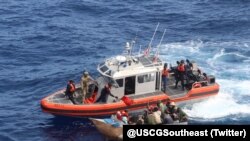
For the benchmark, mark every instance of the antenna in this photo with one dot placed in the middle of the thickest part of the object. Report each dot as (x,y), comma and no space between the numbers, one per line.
(158,47)
(133,42)
(128,48)
(139,53)
(161,39)
(149,45)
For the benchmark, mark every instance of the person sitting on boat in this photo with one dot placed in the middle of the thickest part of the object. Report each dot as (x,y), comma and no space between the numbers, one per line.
(84,83)
(150,118)
(173,111)
(125,113)
(157,115)
(124,120)
(140,120)
(177,114)
(161,106)
(106,91)
(166,118)
(150,109)
(182,116)
(70,91)
(119,115)
(165,75)
(122,116)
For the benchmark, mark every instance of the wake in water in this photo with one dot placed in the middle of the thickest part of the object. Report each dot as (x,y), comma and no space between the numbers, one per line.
(229,62)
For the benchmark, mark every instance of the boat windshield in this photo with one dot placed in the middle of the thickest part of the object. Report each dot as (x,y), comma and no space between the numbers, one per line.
(104,68)
(111,80)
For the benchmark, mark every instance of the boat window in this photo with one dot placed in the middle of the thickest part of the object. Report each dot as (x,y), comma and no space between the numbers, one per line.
(152,77)
(108,72)
(104,68)
(146,78)
(119,82)
(102,64)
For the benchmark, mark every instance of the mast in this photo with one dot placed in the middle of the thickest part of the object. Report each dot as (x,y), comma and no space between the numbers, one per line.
(161,39)
(149,45)
(158,47)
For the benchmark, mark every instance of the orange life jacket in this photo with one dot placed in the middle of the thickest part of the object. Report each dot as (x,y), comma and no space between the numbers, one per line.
(124,114)
(72,88)
(181,68)
(91,99)
(165,72)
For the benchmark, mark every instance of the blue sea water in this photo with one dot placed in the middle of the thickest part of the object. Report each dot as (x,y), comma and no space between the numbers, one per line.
(45,43)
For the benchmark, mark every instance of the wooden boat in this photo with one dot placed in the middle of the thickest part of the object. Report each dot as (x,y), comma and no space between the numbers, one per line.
(136,81)
(109,131)
(112,132)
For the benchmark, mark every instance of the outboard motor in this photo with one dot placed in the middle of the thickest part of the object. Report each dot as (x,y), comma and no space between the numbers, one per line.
(211,79)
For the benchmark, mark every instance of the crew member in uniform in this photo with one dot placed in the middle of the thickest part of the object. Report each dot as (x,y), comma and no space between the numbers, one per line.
(84,83)
(181,71)
(165,74)
(105,93)
(70,91)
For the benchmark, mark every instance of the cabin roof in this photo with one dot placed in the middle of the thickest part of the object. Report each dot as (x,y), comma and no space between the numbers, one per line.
(121,66)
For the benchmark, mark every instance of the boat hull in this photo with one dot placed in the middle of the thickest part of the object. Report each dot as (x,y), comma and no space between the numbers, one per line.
(106,109)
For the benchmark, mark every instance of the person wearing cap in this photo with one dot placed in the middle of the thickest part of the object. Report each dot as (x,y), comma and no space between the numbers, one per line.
(70,91)
(171,107)
(84,83)
(106,91)
(176,113)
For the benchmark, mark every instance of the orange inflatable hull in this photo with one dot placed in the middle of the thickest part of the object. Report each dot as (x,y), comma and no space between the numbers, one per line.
(93,110)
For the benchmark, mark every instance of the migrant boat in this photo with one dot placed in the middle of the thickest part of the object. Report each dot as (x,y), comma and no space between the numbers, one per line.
(135,81)
(112,128)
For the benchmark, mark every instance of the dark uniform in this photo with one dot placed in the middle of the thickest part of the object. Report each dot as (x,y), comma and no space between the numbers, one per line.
(70,91)
(105,93)
(181,72)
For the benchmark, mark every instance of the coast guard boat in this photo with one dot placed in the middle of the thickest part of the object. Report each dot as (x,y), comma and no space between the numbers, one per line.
(136,81)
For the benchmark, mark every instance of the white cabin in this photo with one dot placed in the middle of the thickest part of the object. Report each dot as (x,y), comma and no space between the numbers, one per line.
(131,75)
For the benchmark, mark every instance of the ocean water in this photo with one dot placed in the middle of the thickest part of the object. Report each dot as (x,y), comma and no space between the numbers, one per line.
(45,43)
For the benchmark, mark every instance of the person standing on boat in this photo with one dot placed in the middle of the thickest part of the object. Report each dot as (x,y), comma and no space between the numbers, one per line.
(181,71)
(106,91)
(84,83)
(70,91)
(165,74)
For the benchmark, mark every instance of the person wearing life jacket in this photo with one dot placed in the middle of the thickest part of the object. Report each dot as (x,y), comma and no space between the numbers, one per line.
(106,91)
(70,91)
(165,75)
(84,83)
(125,113)
(119,115)
(181,71)
(123,116)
